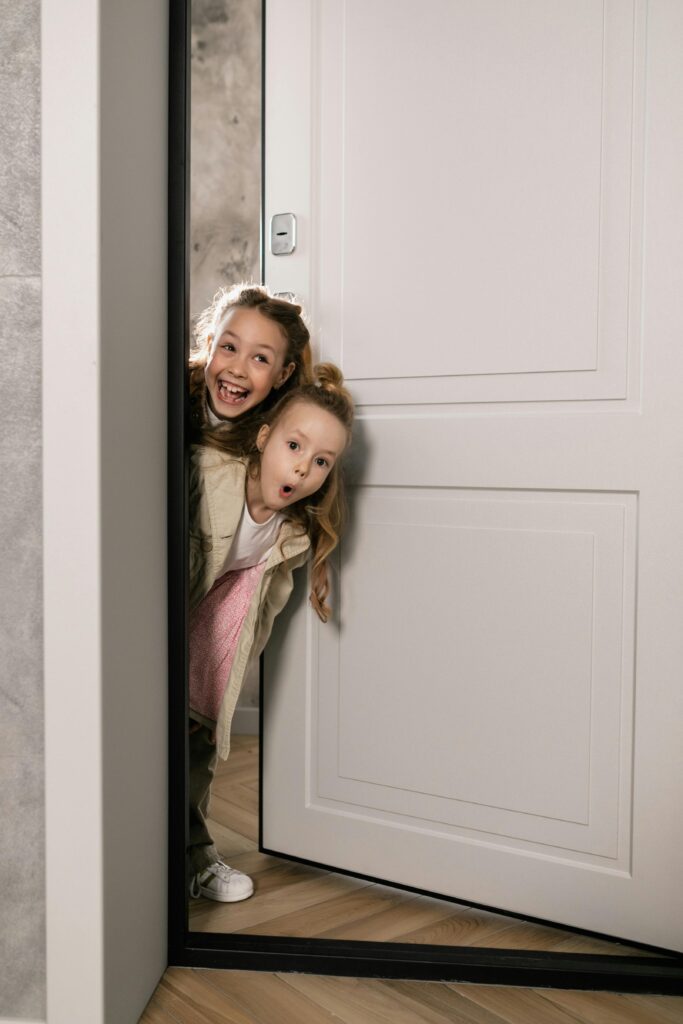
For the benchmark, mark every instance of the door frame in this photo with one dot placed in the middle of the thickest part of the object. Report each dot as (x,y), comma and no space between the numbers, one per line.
(528,968)
(98,343)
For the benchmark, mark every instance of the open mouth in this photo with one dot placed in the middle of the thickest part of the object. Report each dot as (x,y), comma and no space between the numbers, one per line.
(286,491)
(231,393)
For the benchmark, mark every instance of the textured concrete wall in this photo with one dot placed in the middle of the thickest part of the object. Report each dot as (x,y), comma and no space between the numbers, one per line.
(226,145)
(226,159)
(22,839)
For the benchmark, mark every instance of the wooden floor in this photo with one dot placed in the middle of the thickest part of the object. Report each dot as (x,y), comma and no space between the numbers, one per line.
(291,899)
(237,997)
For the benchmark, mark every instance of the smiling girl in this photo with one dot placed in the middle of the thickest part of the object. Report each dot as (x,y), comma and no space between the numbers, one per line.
(255,520)
(250,348)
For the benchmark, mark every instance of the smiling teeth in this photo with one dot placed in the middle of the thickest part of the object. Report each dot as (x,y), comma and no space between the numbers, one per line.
(232,389)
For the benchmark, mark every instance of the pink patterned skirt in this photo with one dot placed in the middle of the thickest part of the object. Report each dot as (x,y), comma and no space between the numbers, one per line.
(215,627)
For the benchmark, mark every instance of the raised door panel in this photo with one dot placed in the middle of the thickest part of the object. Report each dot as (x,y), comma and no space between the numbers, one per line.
(479,630)
(500,180)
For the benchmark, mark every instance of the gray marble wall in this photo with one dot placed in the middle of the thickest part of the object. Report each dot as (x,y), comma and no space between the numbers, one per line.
(225,209)
(22,838)
(225,146)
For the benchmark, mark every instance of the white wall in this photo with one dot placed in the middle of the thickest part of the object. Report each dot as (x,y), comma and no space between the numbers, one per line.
(104,101)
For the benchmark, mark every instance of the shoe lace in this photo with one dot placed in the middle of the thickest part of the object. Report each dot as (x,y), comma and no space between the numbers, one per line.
(221,870)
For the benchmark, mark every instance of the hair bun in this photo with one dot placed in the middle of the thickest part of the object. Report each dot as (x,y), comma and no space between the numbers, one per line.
(328,377)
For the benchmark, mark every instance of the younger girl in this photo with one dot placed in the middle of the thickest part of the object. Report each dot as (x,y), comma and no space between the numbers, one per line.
(254,521)
(251,348)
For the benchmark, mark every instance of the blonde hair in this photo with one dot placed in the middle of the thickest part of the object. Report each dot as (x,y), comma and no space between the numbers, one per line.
(322,515)
(287,316)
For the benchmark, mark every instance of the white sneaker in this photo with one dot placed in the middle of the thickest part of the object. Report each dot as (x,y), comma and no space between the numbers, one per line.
(222,883)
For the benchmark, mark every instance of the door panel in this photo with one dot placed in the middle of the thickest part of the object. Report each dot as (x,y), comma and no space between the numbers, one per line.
(495,180)
(494,714)
(523,661)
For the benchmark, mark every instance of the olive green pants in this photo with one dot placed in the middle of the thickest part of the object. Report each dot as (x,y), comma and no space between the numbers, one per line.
(201,850)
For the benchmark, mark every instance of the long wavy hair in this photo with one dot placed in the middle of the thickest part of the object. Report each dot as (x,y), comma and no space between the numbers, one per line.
(321,515)
(236,433)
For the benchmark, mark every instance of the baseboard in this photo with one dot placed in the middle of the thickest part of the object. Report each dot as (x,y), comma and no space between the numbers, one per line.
(245,722)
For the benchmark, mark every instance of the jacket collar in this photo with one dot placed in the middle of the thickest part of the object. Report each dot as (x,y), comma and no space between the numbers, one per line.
(225,481)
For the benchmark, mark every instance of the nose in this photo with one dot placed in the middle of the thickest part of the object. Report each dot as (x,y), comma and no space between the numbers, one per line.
(237,365)
(301,469)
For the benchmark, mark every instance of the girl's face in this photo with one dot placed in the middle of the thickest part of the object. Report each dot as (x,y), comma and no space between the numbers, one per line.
(246,361)
(298,453)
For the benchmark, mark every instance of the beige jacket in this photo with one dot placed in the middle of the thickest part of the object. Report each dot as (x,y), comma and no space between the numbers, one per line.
(217,489)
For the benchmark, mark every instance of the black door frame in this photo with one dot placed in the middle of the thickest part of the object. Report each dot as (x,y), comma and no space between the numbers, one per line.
(529,968)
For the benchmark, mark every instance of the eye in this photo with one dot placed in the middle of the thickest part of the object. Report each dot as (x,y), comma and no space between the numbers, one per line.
(293,445)
(228,346)
(262,359)
(320,461)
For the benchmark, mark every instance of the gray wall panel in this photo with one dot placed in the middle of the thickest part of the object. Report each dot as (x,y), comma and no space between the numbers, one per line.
(19,137)
(22,836)
(22,930)
(226,145)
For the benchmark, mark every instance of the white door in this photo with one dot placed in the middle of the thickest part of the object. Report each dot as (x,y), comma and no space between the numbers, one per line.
(490,221)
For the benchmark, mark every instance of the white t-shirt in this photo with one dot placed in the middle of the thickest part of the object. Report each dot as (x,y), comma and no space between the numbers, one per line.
(253,542)
(214,420)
